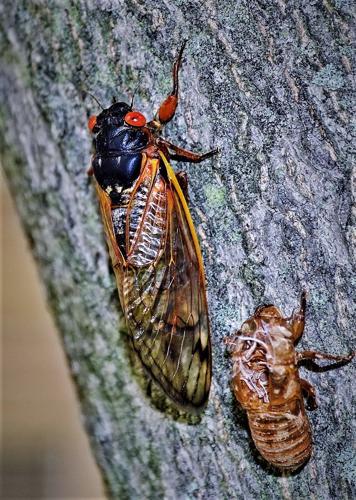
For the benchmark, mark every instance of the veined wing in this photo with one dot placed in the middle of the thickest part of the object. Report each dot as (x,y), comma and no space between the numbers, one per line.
(161,284)
(165,301)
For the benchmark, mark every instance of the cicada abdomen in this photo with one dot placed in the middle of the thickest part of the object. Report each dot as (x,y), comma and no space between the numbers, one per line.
(154,247)
(266,383)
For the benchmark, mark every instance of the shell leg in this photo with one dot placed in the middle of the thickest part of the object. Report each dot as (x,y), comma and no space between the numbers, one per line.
(316,355)
(297,321)
(230,342)
(309,394)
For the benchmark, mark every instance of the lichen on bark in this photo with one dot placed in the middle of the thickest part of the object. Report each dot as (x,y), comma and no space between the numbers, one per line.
(269,83)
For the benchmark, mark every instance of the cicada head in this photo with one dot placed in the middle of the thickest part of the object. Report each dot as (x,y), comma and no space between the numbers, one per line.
(120,136)
(119,129)
(112,116)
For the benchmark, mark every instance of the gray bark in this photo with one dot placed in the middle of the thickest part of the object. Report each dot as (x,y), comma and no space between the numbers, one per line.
(269,83)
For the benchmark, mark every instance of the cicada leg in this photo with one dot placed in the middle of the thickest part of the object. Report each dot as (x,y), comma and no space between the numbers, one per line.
(181,154)
(297,321)
(309,394)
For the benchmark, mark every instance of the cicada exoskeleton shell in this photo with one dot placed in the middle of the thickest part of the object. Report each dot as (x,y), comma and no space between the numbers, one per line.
(267,384)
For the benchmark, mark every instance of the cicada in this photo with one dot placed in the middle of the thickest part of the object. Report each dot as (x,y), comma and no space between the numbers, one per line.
(153,245)
(266,383)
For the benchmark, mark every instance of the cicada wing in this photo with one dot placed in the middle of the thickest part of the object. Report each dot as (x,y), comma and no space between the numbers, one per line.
(106,215)
(166,307)
(117,259)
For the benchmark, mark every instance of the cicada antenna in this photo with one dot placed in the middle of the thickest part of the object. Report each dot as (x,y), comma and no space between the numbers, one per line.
(95,99)
(134,93)
(132,99)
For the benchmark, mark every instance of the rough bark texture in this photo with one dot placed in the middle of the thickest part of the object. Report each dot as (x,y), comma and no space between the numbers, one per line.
(267,82)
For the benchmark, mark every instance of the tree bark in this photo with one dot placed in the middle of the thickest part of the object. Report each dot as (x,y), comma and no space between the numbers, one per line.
(269,83)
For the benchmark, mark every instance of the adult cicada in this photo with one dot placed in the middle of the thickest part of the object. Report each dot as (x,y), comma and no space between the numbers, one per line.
(153,245)
(267,384)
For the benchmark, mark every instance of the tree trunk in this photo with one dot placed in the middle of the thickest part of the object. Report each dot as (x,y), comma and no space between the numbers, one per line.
(268,83)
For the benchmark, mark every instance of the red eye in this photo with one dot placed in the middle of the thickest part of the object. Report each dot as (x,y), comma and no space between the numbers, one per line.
(135,119)
(91,122)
